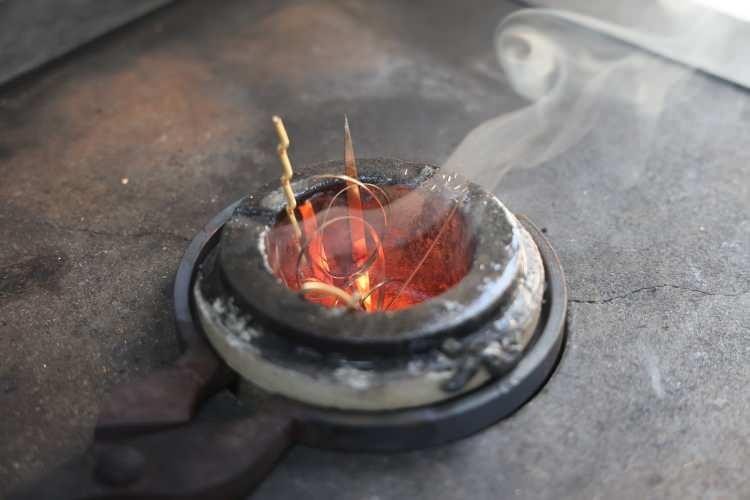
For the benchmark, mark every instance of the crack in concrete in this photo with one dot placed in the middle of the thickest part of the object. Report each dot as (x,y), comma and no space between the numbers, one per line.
(654,288)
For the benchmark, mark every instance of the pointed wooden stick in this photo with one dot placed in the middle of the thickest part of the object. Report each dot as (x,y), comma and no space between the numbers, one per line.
(286,176)
(356,226)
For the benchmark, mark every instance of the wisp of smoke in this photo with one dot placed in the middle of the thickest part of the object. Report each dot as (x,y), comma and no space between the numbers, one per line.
(570,65)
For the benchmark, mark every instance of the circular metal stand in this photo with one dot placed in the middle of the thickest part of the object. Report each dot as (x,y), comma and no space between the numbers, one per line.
(409,428)
(148,445)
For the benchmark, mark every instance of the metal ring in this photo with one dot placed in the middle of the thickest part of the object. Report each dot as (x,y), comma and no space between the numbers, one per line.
(416,427)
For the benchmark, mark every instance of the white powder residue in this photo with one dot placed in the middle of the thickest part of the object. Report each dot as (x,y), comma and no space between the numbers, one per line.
(359,380)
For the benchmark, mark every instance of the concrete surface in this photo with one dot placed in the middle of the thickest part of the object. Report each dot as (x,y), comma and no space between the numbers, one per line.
(33,32)
(649,400)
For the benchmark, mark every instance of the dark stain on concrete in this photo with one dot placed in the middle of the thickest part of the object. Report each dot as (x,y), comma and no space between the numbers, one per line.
(43,271)
(5,152)
(8,383)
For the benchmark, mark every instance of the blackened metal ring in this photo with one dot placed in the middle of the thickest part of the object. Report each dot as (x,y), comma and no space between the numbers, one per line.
(415,427)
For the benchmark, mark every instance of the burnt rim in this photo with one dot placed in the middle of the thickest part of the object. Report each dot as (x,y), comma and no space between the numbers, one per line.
(458,311)
(409,429)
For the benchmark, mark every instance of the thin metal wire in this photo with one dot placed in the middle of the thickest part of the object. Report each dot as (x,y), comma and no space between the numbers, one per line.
(424,257)
(314,286)
(366,186)
(311,285)
(380,295)
(374,235)
(384,207)
(363,268)
(303,241)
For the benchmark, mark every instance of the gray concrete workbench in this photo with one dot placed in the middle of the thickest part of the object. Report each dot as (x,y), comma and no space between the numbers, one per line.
(650,398)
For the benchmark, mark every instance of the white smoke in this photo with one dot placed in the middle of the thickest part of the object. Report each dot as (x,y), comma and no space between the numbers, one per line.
(568,64)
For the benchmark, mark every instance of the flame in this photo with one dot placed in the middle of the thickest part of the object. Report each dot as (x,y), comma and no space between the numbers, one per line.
(316,252)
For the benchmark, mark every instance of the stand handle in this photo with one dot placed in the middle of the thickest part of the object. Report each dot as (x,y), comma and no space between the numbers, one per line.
(201,461)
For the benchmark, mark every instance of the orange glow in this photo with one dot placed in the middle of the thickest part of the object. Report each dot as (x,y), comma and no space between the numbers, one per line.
(316,253)
(356,224)
(359,243)
(388,253)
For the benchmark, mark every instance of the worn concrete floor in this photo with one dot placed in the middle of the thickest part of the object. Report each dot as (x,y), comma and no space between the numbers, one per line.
(111,159)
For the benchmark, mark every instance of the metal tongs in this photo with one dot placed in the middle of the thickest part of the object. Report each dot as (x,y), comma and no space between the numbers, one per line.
(177,433)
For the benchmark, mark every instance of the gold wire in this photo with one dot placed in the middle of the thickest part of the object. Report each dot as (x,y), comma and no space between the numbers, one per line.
(368,263)
(352,301)
(424,257)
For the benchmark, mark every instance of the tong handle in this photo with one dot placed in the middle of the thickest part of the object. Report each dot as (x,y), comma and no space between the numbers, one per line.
(202,461)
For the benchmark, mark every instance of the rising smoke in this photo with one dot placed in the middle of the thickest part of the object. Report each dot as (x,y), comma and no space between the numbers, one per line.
(571,66)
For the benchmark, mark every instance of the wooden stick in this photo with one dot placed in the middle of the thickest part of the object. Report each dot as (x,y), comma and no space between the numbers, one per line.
(286,176)
(356,227)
